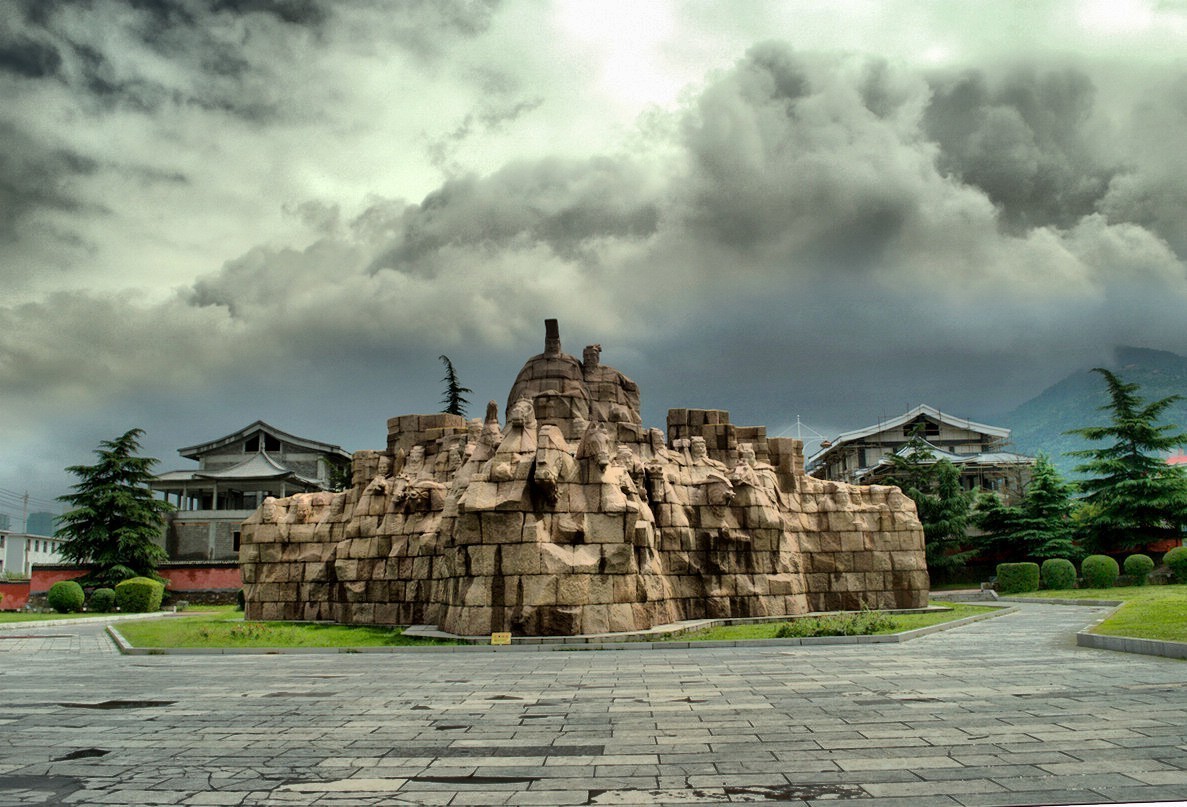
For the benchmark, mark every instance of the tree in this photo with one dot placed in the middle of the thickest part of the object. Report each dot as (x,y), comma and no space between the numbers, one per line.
(114,521)
(942,504)
(453,399)
(1039,527)
(1133,497)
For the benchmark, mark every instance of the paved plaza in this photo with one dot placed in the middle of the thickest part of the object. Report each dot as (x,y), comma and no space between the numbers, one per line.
(1001,712)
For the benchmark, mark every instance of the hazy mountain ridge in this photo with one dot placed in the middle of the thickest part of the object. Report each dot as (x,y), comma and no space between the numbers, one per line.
(1040,423)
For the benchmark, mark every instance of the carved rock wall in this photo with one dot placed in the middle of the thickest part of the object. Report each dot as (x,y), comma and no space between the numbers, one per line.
(572,519)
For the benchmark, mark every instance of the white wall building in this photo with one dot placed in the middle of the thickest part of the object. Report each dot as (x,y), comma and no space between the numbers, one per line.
(19,551)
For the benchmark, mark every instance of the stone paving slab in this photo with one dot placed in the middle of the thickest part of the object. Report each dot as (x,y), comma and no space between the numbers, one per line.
(1008,711)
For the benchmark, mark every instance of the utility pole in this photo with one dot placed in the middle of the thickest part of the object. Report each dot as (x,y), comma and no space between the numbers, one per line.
(25,513)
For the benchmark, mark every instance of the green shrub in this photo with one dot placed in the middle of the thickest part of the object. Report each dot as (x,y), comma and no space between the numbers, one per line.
(139,595)
(103,600)
(859,624)
(1139,567)
(1176,560)
(66,597)
(1099,571)
(1058,574)
(1017,578)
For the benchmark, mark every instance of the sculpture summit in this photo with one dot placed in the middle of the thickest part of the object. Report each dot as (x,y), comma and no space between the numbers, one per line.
(573,518)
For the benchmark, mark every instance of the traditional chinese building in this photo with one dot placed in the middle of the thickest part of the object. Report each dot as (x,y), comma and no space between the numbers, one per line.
(862,456)
(235,474)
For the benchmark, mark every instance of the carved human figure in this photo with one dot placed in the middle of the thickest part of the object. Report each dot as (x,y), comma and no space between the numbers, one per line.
(554,464)
(517,449)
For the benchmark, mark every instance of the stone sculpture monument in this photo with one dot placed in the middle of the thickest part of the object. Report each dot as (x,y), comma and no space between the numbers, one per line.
(573,518)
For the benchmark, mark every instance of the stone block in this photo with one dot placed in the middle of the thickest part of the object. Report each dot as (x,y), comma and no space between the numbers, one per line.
(539,589)
(573,589)
(605,528)
(617,559)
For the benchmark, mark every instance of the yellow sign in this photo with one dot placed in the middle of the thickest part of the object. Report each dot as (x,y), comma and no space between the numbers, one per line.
(500,638)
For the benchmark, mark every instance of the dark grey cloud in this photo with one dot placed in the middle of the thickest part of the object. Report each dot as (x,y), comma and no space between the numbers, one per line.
(1026,139)
(567,205)
(35,176)
(808,234)
(26,57)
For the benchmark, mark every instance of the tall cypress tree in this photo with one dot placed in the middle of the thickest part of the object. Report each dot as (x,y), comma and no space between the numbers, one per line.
(1038,527)
(454,399)
(1133,497)
(114,522)
(943,506)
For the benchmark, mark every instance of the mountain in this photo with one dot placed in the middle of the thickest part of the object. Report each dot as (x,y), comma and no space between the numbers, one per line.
(1076,401)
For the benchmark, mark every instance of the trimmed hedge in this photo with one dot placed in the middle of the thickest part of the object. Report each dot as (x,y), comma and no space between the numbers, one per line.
(139,595)
(1099,571)
(1017,578)
(103,600)
(66,597)
(1058,574)
(1176,560)
(1138,567)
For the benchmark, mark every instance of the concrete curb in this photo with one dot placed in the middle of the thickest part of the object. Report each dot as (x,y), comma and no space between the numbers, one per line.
(127,649)
(1129,644)
(1061,601)
(1100,641)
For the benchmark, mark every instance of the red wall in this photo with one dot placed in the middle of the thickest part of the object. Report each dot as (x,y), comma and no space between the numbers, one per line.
(202,578)
(13,596)
(181,577)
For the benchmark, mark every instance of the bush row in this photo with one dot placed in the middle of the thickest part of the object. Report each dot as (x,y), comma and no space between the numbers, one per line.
(1097,571)
(137,595)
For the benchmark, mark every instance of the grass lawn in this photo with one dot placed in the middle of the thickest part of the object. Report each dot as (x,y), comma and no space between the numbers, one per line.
(225,627)
(902,622)
(1150,612)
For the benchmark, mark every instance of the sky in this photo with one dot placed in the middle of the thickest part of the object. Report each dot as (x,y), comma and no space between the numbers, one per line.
(222,211)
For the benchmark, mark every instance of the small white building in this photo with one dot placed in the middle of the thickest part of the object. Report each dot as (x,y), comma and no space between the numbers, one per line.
(19,551)
(978,450)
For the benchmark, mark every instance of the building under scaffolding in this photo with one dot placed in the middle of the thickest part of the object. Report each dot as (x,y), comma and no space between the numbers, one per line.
(978,451)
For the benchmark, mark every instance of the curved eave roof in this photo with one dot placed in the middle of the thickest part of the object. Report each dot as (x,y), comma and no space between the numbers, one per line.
(905,418)
(194,451)
(259,467)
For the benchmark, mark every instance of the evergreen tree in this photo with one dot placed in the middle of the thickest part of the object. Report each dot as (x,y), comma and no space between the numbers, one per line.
(454,400)
(1038,527)
(943,506)
(1133,496)
(114,521)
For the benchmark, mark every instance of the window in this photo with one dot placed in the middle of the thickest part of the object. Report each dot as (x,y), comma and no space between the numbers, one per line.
(235,540)
(925,427)
(271,443)
(252,445)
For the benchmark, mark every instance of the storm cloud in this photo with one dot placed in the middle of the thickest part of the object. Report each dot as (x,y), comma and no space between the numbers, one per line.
(836,235)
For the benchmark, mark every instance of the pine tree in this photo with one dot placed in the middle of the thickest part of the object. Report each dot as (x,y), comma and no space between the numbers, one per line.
(943,506)
(114,522)
(1133,496)
(454,401)
(1039,527)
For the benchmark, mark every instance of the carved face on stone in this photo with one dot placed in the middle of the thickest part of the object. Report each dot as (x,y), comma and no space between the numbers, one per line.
(746,454)
(591,355)
(521,413)
(698,449)
(625,457)
(269,511)
(416,459)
